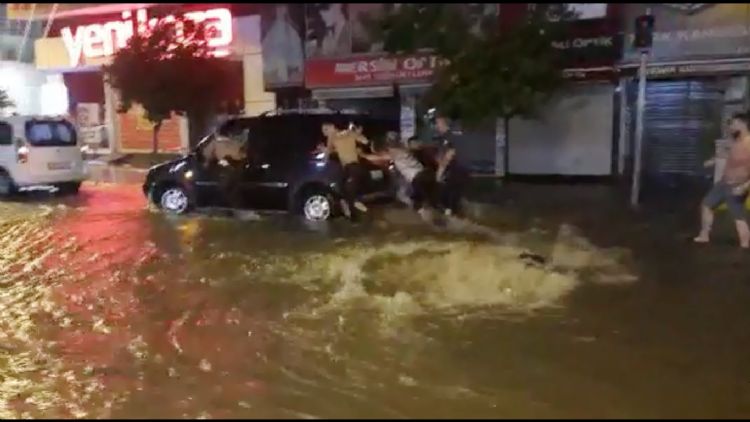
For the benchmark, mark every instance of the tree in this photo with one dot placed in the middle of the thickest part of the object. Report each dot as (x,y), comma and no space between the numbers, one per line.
(5,101)
(489,74)
(170,69)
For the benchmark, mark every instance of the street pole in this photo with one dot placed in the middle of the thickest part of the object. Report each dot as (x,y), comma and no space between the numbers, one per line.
(638,153)
(640,108)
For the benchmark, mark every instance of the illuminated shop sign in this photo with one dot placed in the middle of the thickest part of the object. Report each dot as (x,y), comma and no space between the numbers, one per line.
(101,40)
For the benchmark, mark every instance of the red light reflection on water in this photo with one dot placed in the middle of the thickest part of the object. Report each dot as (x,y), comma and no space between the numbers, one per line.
(127,301)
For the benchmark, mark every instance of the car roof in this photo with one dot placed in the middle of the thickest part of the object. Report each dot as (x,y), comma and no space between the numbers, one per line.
(319,111)
(341,120)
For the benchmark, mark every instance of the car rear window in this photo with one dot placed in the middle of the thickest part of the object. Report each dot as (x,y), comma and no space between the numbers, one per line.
(50,133)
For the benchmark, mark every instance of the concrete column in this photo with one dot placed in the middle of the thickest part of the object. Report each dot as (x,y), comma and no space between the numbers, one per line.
(257,100)
(184,124)
(247,45)
(622,150)
(111,119)
(500,147)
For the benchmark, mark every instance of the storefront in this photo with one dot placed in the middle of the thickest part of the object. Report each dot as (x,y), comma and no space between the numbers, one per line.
(387,87)
(697,77)
(575,132)
(81,42)
(348,70)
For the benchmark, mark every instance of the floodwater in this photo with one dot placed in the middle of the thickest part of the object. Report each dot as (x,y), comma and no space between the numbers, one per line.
(111,310)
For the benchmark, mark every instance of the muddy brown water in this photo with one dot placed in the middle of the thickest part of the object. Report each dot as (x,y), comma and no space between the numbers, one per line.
(108,309)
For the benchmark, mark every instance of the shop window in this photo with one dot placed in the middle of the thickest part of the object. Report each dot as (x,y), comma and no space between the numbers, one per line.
(6,134)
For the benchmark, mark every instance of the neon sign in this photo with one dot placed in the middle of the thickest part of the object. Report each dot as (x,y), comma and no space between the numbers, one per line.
(101,40)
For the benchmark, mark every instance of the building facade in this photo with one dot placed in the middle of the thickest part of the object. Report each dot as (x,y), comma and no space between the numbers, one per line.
(576,131)
(697,77)
(323,54)
(296,55)
(79,42)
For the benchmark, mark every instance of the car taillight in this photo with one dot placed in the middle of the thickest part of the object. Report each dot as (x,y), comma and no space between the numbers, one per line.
(23,154)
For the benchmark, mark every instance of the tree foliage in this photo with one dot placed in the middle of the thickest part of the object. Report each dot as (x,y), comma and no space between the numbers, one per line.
(490,73)
(170,69)
(5,101)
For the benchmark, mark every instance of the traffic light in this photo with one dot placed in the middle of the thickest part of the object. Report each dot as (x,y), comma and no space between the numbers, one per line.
(644,31)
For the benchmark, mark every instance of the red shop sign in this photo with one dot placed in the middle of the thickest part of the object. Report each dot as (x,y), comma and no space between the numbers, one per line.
(364,71)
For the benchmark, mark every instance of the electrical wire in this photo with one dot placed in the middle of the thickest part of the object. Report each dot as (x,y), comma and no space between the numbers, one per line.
(50,19)
(19,56)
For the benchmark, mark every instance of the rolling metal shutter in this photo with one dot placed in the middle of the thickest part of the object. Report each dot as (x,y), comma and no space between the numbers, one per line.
(681,121)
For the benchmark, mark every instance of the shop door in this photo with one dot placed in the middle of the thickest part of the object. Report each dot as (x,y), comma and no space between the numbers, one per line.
(682,120)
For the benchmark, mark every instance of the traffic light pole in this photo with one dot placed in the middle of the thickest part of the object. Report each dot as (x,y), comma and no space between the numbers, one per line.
(641,105)
(638,153)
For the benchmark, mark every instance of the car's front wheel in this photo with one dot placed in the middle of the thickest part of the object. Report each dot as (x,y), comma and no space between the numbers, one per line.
(173,199)
(317,205)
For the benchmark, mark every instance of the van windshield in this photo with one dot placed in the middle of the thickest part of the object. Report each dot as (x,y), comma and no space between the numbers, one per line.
(50,133)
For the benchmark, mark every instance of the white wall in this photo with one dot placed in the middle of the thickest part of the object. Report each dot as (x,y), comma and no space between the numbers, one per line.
(246,44)
(573,136)
(23,84)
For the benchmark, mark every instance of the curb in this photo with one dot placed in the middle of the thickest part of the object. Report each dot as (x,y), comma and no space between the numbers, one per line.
(122,168)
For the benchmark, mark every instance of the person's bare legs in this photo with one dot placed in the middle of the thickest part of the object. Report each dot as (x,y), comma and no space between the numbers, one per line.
(743,231)
(707,221)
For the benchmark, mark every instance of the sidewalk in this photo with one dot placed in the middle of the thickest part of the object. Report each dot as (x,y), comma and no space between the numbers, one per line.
(101,172)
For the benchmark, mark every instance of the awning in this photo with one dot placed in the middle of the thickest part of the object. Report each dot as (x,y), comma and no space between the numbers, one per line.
(72,69)
(349,93)
(690,67)
(591,74)
(413,90)
(105,9)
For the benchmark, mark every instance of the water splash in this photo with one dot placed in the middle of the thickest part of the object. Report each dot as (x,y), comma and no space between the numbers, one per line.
(428,276)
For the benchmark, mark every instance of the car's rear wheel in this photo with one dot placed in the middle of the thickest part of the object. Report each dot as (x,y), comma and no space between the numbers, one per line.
(69,188)
(317,205)
(173,199)
(7,185)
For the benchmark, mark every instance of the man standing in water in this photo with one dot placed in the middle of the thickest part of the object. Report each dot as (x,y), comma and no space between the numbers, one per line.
(344,144)
(226,156)
(733,187)
(450,173)
(421,180)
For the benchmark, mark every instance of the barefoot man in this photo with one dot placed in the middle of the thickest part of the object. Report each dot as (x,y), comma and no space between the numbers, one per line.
(733,187)
(344,144)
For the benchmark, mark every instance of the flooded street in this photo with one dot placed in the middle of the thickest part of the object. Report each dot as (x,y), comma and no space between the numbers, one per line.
(111,310)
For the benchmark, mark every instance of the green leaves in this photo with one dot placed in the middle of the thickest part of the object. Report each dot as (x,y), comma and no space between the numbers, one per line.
(5,101)
(412,27)
(168,70)
(490,74)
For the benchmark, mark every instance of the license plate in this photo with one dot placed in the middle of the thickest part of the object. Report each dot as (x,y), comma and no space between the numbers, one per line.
(376,174)
(59,166)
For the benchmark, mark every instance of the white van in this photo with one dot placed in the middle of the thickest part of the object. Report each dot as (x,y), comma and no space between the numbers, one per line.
(39,151)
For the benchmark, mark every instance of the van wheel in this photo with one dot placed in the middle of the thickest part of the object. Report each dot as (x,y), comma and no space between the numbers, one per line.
(69,188)
(7,185)
(173,199)
(317,205)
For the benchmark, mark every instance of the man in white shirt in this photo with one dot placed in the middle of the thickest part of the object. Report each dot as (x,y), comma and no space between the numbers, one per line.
(421,179)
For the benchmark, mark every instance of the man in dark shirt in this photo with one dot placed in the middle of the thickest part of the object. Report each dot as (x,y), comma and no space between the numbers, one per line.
(450,173)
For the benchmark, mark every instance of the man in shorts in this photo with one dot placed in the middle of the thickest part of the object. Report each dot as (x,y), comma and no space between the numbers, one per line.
(733,187)
(345,145)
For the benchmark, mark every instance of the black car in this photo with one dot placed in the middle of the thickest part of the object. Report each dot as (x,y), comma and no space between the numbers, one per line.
(283,170)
